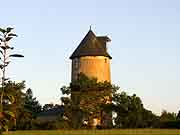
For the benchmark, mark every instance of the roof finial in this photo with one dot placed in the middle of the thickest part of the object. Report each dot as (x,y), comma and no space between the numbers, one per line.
(90,27)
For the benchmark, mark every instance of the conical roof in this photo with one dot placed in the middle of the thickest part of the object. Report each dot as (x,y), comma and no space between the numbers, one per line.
(91,46)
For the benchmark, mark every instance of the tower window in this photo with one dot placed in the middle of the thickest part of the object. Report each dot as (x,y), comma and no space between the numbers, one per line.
(105,60)
(76,63)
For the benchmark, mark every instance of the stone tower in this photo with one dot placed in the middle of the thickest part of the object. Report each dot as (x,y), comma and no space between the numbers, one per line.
(91,58)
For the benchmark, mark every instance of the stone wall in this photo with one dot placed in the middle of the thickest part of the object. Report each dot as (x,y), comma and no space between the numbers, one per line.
(92,66)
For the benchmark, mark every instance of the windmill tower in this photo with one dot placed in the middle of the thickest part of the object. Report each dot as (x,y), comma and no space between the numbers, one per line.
(92,59)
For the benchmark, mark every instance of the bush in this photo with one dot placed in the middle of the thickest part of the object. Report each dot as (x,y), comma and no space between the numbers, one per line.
(175,124)
(50,125)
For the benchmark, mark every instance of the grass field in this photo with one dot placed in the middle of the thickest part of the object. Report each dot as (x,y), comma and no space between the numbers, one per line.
(99,132)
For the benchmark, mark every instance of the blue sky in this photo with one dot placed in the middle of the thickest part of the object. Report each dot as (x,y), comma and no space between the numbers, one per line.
(145,45)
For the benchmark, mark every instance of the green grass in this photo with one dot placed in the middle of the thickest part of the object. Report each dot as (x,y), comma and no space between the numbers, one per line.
(99,132)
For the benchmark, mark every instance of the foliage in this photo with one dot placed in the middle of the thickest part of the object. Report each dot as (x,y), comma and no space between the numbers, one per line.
(170,124)
(24,107)
(178,116)
(28,111)
(49,125)
(5,98)
(86,99)
(31,104)
(47,107)
(15,90)
(130,112)
(169,120)
(167,116)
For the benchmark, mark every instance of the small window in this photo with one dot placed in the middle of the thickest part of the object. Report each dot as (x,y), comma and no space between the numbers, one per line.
(76,63)
(105,60)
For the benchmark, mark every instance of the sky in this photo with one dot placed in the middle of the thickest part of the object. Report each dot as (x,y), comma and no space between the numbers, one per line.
(145,45)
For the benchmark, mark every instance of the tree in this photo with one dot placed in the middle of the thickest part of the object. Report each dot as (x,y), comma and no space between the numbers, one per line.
(24,107)
(47,107)
(28,111)
(167,116)
(31,103)
(130,112)
(15,90)
(169,120)
(178,116)
(5,36)
(86,99)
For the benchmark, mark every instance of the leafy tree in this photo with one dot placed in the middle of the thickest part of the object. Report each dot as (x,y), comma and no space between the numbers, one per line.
(85,100)
(169,120)
(5,36)
(130,112)
(24,107)
(47,107)
(167,116)
(15,90)
(28,111)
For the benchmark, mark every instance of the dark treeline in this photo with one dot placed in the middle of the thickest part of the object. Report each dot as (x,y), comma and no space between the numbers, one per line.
(128,110)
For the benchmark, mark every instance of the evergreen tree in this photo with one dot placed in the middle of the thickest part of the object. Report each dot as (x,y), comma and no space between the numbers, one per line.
(31,104)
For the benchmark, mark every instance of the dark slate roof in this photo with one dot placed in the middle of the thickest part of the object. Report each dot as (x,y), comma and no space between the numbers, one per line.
(52,112)
(92,45)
